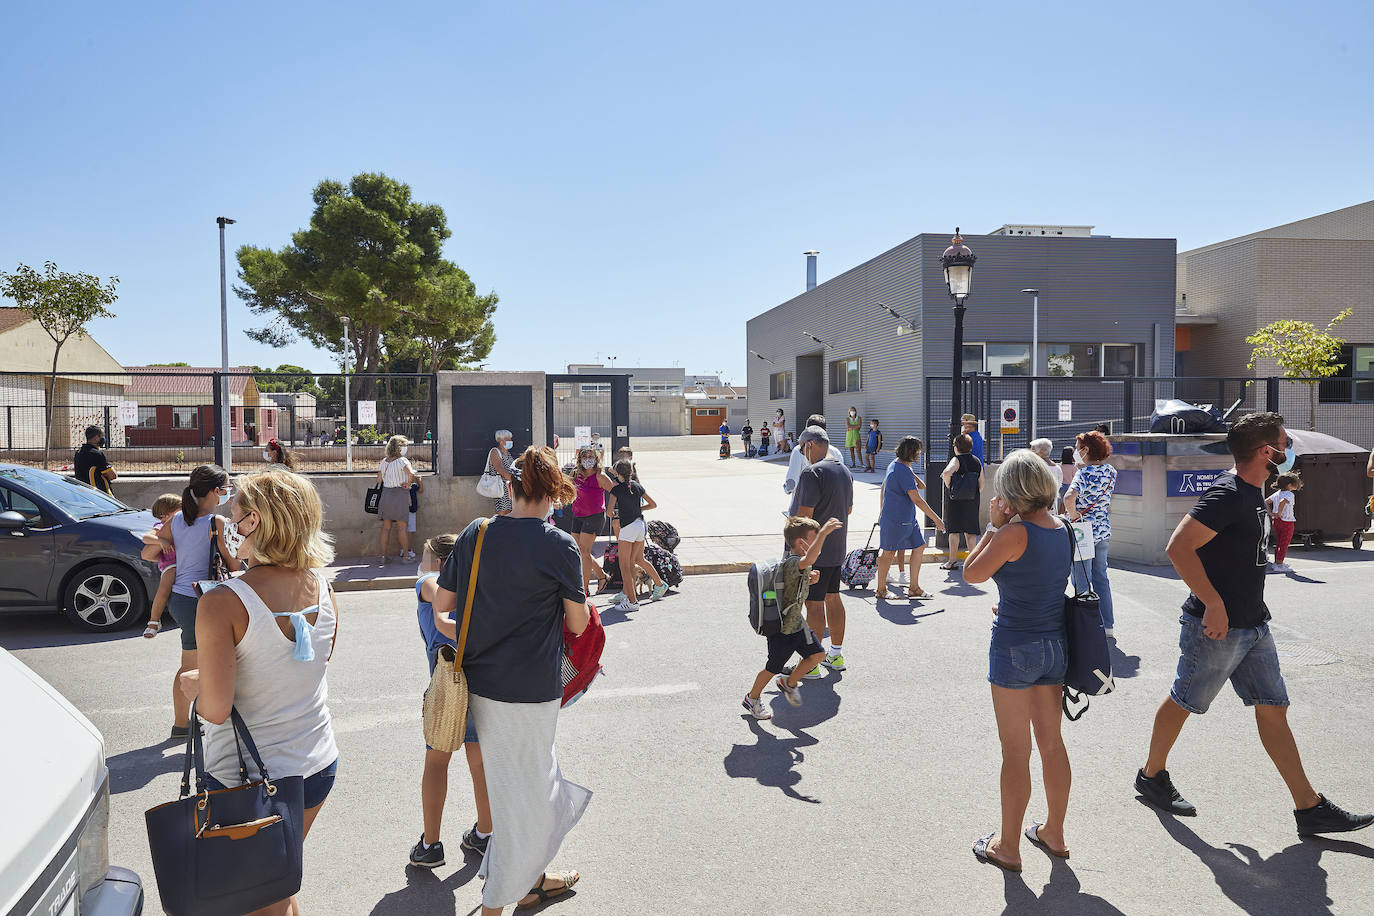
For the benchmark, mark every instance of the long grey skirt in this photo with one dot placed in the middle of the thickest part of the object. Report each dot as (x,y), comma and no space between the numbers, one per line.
(532,806)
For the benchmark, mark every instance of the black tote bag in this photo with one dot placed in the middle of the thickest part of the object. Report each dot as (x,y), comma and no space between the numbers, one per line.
(228,851)
(372,502)
(1089,670)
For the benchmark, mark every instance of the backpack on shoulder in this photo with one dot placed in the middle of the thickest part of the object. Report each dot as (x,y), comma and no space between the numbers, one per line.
(664,535)
(963,485)
(765,594)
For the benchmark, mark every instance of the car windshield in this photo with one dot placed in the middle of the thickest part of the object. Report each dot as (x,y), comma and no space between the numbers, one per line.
(76,499)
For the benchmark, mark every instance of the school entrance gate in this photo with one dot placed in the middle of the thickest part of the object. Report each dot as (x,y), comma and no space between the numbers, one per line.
(599,404)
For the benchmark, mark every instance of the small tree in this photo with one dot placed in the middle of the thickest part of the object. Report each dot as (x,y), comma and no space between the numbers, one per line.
(63,304)
(1304,353)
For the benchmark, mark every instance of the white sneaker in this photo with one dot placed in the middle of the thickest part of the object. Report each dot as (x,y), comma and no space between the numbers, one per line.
(904,579)
(627,606)
(757,709)
(1283,568)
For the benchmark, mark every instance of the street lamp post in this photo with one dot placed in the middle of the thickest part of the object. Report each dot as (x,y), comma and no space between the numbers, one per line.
(957,262)
(227,450)
(1035,359)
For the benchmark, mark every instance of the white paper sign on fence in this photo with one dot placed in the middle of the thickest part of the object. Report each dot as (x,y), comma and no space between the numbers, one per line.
(1066,410)
(128,413)
(582,436)
(367,413)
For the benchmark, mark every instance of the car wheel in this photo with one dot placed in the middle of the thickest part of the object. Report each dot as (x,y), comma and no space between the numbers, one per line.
(104,597)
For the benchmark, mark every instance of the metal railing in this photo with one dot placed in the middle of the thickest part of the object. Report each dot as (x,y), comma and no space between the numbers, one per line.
(166,420)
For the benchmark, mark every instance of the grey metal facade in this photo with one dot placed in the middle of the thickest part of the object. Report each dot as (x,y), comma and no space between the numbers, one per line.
(1093,291)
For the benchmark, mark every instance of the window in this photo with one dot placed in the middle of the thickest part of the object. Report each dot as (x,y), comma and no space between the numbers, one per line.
(1008,359)
(1354,381)
(596,388)
(973,358)
(1119,360)
(708,411)
(14,501)
(147,418)
(655,388)
(780,385)
(1070,360)
(187,418)
(845,375)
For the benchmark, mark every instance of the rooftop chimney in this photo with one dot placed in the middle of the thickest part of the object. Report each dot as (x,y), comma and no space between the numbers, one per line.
(810,269)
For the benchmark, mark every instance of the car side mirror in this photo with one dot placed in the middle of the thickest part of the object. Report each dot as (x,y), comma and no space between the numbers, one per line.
(11,521)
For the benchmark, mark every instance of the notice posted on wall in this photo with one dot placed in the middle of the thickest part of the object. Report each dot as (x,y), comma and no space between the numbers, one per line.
(367,413)
(582,436)
(128,413)
(1066,410)
(1011,416)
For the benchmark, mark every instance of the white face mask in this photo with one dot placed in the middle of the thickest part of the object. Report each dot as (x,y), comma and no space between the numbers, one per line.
(853,413)
(266,456)
(226,496)
(236,541)
(1080,457)
(403,449)
(589,463)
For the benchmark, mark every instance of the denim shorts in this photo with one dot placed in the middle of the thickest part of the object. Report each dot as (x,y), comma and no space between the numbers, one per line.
(1246,657)
(183,611)
(317,786)
(1017,661)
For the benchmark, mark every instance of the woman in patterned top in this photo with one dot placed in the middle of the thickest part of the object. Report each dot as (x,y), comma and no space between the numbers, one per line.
(1090,498)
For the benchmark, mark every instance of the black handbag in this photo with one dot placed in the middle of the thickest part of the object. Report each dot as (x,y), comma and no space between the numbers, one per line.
(372,502)
(1089,671)
(225,852)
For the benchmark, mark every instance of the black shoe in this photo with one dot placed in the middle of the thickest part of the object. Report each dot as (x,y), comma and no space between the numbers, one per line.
(1326,817)
(477,844)
(432,857)
(1159,791)
(182,732)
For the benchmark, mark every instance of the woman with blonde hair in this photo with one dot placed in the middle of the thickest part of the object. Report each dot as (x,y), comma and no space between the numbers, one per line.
(395,475)
(589,509)
(1028,555)
(265,640)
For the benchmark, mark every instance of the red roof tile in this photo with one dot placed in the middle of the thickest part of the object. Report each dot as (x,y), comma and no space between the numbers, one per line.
(181,380)
(11,317)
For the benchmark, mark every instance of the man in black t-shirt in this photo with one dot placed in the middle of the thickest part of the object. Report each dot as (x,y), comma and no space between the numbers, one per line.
(825,489)
(1218,550)
(89,464)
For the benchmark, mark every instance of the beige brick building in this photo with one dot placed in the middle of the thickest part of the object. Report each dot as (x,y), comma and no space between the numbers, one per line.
(1310,270)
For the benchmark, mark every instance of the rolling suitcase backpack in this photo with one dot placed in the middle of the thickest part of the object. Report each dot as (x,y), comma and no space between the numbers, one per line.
(664,535)
(861,566)
(665,564)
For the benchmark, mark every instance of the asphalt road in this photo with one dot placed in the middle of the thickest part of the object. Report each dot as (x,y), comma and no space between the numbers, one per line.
(865,800)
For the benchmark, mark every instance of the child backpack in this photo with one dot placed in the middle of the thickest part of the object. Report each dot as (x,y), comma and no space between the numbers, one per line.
(724,448)
(664,563)
(664,535)
(765,597)
(860,566)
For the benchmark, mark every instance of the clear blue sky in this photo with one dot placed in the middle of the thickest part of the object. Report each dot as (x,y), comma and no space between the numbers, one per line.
(638,179)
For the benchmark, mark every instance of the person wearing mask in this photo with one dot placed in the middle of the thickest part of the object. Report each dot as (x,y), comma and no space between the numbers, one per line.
(1089,498)
(500,461)
(853,424)
(589,510)
(797,463)
(779,427)
(899,528)
(265,643)
(631,502)
(278,456)
(826,490)
(395,475)
(528,587)
(192,535)
(1027,553)
(1218,551)
(89,464)
(746,436)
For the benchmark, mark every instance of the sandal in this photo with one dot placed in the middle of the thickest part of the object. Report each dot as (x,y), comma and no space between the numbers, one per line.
(953,564)
(880,596)
(980,851)
(920,596)
(1033,834)
(152,629)
(543,896)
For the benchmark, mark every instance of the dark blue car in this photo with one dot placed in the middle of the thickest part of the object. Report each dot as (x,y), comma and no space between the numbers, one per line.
(67,546)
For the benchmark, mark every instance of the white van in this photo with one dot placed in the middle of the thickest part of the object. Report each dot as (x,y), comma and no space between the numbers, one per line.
(55,808)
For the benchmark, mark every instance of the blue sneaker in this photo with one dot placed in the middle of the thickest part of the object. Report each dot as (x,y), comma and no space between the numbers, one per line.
(659,591)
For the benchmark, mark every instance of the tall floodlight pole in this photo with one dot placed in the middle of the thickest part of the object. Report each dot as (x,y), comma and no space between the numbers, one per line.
(225,409)
(348,411)
(1035,359)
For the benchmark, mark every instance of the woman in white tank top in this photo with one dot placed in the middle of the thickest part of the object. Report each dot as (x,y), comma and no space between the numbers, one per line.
(265,640)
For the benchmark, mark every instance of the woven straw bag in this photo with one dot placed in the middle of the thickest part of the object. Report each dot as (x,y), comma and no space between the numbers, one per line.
(446,698)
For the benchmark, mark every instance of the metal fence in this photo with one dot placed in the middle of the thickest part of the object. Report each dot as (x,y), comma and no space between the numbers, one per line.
(1058,408)
(167,420)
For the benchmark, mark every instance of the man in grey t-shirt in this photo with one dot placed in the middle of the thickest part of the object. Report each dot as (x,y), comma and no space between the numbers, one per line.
(825,489)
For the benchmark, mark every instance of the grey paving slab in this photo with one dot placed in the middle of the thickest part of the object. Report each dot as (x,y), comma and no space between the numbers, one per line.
(865,800)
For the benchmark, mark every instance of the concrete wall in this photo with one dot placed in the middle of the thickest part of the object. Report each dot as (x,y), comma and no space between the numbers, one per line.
(446,383)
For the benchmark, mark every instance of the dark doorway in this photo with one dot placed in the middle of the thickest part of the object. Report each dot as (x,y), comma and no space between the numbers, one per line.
(478,412)
(810,384)
(599,402)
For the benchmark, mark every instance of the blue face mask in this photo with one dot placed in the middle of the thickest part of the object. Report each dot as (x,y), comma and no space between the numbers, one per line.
(1289,457)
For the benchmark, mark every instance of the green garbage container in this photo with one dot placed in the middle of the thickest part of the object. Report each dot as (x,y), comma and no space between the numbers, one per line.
(1333,504)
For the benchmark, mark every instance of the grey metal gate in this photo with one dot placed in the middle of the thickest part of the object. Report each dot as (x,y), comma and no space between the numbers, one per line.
(600,403)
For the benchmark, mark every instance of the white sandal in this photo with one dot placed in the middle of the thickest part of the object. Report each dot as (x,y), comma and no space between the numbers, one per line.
(152,629)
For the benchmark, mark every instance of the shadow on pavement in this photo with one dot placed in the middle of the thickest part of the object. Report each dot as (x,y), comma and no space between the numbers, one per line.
(1123,665)
(1290,881)
(47,630)
(133,770)
(771,760)
(425,892)
(904,611)
(1064,894)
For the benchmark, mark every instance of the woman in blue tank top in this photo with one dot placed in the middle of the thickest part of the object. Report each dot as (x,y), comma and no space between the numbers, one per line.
(1028,555)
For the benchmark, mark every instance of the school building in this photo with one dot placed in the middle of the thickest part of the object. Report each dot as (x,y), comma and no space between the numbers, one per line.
(1106,308)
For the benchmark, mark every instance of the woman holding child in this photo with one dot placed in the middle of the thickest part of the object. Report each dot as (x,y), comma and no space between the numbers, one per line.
(528,586)
(1028,555)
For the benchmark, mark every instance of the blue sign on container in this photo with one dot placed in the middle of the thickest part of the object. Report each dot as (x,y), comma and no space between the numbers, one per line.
(1189,483)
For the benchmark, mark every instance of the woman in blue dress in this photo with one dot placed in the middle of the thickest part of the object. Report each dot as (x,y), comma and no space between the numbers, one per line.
(897,524)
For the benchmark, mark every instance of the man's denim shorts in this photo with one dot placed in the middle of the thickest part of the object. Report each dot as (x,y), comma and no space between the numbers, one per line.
(1246,656)
(1017,661)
